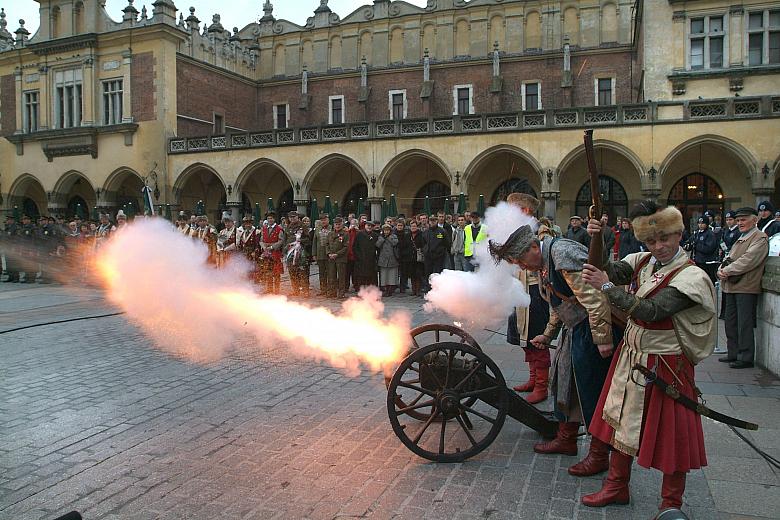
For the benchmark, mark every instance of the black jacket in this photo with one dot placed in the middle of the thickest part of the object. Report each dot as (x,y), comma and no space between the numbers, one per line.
(705,246)
(579,235)
(438,241)
(406,251)
(365,254)
(628,243)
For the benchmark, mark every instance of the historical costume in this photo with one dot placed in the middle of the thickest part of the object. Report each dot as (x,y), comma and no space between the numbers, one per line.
(103,231)
(207,235)
(271,241)
(226,241)
(296,256)
(247,242)
(670,304)
(584,317)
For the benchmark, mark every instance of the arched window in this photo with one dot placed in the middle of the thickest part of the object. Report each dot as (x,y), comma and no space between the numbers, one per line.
(286,203)
(513,185)
(73,207)
(30,208)
(436,192)
(350,202)
(613,198)
(694,194)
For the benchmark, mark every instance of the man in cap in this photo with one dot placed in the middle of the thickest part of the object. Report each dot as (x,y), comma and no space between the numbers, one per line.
(271,242)
(296,256)
(206,234)
(588,336)
(247,242)
(319,249)
(576,232)
(336,249)
(705,248)
(766,220)
(226,240)
(671,327)
(740,278)
(528,322)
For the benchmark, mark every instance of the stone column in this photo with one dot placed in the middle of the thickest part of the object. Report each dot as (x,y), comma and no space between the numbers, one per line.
(19,101)
(127,112)
(302,207)
(550,199)
(44,100)
(234,209)
(88,89)
(375,204)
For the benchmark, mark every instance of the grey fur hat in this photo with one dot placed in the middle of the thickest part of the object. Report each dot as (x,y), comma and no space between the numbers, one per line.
(515,246)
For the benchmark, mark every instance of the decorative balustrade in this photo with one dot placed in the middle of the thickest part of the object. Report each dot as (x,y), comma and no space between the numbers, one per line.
(564,119)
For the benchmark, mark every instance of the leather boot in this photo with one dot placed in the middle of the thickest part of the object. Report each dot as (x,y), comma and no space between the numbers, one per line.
(614,490)
(672,490)
(565,442)
(595,462)
(527,387)
(540,386)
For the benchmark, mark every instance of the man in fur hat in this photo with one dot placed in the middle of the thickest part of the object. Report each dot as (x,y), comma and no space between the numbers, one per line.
(271,241)
(671,327)
(588,339)
(226,240)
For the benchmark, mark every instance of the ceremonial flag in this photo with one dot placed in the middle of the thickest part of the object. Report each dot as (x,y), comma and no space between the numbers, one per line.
(146,192)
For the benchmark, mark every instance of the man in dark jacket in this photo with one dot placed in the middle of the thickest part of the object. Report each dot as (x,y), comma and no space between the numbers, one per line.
(438,242)
(705,248)
(608,234)
(628,242)
(364,249)
(576,232)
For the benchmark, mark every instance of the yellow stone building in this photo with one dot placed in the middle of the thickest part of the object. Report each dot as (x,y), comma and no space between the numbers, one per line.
(479,97)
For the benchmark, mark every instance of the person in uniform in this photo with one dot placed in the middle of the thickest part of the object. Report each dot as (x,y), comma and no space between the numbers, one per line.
(528,322)
(766,219)
(671,327)
(587,343)
(336,249)
(271,242)
(729,236)
(320,251)
(226,240)
(207,235)
(296,256)
(705,248)
(247,242)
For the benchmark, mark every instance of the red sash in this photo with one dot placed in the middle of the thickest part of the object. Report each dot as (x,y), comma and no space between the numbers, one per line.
(666,323)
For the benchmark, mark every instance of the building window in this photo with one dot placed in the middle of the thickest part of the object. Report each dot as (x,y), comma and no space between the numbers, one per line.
(531,94)
(397,104)
(281,116)
(694,194)
(67,98)
(707,42)
(764,37)
(336,114)
(219,124)
(513,185)
(613,198)
(112,102)
(605,91)
(436,192)
(31,111)
(463,100)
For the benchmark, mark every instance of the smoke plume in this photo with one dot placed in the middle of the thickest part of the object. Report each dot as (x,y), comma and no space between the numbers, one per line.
(487,296)
(188,308)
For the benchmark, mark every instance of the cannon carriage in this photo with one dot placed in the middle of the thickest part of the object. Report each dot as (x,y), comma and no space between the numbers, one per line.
(447,400)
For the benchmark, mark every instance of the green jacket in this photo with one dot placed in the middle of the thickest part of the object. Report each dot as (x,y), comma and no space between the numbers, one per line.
(338,243)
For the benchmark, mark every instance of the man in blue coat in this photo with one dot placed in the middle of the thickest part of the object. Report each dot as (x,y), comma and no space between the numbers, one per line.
(705,248)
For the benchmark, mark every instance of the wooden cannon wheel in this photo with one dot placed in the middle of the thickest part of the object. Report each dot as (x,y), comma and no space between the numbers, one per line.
(447,380)
(419,335)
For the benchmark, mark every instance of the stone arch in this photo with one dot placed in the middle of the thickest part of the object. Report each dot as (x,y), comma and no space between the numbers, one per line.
(321,163)
(263,179)
(485,155)
(73,183)
(747,159)
(333,175)
(123,186)
(728,163)
(405,174)
(199,181)
(613,160)
(27,186)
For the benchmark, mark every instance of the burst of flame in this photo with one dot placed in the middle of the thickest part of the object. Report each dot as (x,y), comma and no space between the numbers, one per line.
(160,278)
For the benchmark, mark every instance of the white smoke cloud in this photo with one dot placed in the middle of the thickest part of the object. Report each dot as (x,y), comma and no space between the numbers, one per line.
(188,308)
(487,296)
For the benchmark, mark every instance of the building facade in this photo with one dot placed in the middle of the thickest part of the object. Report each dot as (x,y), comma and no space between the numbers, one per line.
(481,98)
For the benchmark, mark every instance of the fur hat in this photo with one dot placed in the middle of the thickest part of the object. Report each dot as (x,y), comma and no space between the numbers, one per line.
(121,214)
(662,221)
(515,246)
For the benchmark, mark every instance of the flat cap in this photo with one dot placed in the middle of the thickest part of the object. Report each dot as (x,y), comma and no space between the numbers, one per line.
(745,212)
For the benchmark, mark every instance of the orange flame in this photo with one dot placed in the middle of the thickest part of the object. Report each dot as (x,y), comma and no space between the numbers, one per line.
(161,279)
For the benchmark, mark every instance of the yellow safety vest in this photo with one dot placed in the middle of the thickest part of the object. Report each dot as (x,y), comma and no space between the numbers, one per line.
(468,243)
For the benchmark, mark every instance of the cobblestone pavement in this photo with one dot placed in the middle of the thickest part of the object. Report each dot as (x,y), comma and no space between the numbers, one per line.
(96,419)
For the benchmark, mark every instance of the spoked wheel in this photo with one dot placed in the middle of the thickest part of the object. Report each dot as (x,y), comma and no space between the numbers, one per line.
(426,335)
(443,382)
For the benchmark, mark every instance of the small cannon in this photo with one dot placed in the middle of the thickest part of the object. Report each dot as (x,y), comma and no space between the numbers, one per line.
(447,400)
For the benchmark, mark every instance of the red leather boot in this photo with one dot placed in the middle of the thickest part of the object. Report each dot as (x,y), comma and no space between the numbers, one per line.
(614,490)
(565,442)
(672,490)
(540,387)
(527,387)
(595,462)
